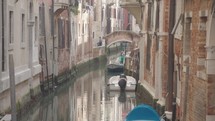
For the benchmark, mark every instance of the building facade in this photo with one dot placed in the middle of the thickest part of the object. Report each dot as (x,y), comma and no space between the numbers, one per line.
(20,38)
(46,38)
(55,40)
(198,59)
(83,42)
(176,55)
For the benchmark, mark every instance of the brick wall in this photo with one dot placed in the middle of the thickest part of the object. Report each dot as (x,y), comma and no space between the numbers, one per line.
(201,87)
(211,95)
(165,48)
(198,85)
(63,60)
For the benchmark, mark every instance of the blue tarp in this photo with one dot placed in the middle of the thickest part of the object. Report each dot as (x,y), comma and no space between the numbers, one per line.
(143,113)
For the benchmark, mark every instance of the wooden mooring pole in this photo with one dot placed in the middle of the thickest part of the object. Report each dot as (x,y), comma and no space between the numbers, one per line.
(12,88)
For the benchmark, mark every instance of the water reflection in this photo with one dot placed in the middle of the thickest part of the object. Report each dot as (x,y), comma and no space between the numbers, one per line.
(120,104)
(85,100)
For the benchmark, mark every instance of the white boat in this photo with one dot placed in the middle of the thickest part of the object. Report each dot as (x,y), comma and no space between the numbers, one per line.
(129,94)
(131,83)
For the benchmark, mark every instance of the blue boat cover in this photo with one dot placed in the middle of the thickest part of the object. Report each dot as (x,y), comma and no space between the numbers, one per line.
(143,113)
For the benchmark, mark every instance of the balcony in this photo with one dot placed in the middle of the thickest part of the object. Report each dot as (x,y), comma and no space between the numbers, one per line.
(134,7)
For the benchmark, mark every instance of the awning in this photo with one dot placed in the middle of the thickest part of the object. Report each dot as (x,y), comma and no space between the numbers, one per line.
(143,113)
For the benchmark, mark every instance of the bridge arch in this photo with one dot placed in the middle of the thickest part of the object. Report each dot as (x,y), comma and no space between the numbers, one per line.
(121,36)
(122,40)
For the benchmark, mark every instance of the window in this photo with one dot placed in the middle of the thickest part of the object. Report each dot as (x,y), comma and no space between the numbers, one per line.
(119,14)
(23,28)
(61,35)
(148,54)
(79,28)
(157,25)
(51,19)
(157,43)
(114,13)
(152,16)
(68,34)
(72,29)
(36,29)
(178,85)
(42,20)
(2,10)
(59,32)
(108,12)
(83,28)
(102,14)
(142,10)
(187,36)
(178,10)
(41,51)
(11,27)
(157,17)
(40,17)
(31,10)
(95,14)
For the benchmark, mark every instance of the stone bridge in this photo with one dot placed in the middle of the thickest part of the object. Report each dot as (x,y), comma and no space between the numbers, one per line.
(121,36)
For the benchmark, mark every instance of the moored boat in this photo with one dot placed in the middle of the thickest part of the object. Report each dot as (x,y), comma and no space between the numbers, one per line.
(116,65)
(113,67)
(122,82)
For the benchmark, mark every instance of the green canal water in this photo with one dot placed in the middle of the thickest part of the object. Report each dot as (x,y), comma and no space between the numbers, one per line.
(85,98)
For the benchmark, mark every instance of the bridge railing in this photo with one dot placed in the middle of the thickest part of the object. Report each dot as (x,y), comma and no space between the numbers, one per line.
(129,1)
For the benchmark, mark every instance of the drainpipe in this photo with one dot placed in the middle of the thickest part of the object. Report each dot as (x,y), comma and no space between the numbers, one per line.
(69,32)
(171,98)
(53,45)
(1,11)
(185,96)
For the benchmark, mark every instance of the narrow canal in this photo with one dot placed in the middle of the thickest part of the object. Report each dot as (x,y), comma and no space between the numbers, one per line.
(85,98)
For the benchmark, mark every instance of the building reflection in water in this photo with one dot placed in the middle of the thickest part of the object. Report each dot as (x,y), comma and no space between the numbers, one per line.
(85,100)
(93,104)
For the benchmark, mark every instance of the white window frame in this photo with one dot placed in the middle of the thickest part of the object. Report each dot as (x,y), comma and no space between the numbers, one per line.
(10,28)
